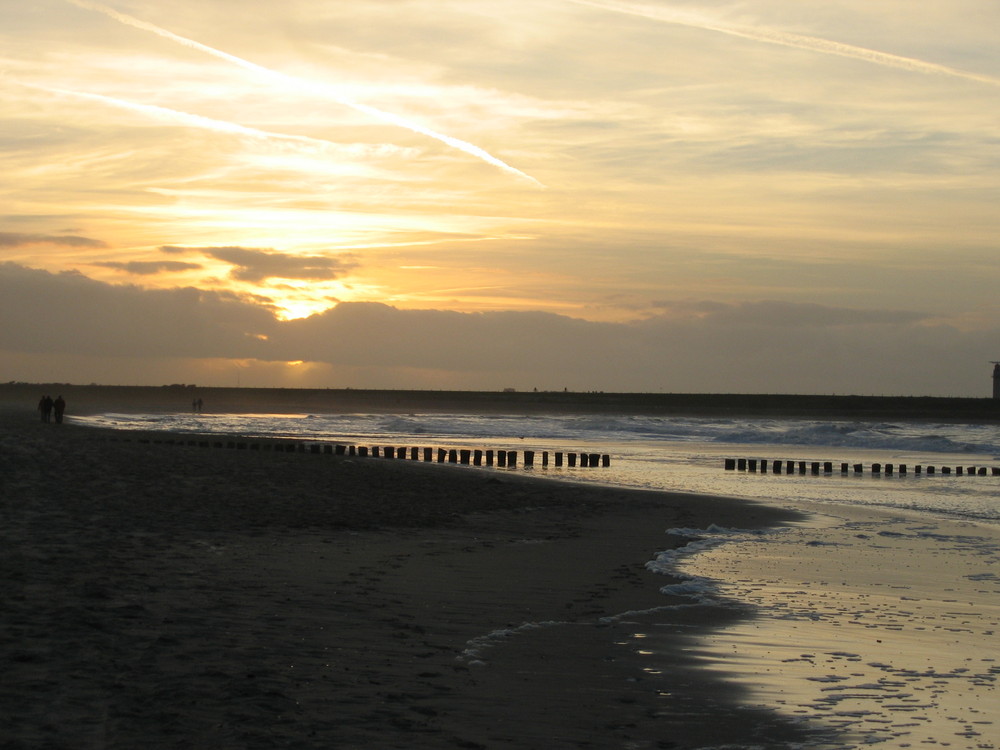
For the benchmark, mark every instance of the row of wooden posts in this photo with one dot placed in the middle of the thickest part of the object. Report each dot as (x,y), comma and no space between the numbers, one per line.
(761,466)
(468,456)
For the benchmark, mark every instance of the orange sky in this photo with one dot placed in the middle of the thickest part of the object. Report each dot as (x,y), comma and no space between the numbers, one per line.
(630,172)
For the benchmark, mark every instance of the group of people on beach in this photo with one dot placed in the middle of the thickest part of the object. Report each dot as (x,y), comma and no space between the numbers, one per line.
(50,408)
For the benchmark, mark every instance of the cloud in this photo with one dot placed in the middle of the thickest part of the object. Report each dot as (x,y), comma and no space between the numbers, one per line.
(68,313)
(146,268)
(785,38)
(190,120)
(310,87)
(780,314)
(749,347)
(17,239)
(254,265)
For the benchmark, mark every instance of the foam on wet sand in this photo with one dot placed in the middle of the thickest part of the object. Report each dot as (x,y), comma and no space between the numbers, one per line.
(880,625)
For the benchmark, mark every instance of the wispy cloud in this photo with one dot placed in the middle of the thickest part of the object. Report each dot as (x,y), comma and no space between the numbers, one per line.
(149,267)
(186,118)
(310,87)
(784,38)
(19,239)
(256,265)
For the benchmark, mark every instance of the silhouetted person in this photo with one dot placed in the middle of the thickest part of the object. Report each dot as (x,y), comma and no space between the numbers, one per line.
(59,406)
(45,408)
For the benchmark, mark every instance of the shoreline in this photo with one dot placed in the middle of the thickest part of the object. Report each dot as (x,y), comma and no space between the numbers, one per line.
(163,596)
(876,622)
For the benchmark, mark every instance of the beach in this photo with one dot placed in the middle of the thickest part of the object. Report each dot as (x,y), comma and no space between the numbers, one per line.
(168,596)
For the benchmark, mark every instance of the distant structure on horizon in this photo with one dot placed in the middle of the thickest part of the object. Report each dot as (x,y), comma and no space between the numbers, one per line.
(996,379)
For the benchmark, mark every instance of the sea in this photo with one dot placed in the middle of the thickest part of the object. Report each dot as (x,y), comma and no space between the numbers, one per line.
(874,620)
(672,453)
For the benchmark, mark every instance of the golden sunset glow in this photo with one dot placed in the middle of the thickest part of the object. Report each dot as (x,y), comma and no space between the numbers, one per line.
(605,162)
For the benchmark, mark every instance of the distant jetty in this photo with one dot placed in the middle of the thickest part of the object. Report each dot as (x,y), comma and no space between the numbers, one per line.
(91,399)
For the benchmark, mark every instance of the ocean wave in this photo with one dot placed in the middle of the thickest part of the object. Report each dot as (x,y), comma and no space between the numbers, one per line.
(905,437)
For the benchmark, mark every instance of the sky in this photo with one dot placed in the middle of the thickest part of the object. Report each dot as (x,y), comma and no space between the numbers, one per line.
(757,196)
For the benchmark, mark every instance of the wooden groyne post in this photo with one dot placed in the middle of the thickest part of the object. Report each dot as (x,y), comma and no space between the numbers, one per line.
(753,466)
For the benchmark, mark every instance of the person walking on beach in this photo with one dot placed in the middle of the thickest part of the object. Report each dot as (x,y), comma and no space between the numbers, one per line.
(45,408)
(59,406)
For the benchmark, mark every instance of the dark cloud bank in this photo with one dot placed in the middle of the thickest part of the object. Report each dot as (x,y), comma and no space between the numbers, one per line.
(756,347)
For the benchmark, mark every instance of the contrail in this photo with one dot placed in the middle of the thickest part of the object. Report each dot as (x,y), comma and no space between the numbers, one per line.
(197,121)
(786,39)
(308,86)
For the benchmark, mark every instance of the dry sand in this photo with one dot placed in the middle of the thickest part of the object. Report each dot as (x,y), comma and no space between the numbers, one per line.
(166,596)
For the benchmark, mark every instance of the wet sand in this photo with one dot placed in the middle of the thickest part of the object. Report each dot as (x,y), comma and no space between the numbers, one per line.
(163,596)
(881,624)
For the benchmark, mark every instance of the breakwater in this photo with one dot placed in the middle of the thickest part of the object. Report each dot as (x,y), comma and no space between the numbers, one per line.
(818,468)
(94,399)
(467,456)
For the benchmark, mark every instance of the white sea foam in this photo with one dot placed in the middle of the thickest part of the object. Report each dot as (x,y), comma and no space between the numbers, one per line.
(894,436)
(474,647)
